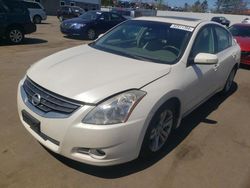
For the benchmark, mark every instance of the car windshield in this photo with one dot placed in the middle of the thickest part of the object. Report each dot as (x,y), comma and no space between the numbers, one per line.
(146,40)
(90,15)
(243,31)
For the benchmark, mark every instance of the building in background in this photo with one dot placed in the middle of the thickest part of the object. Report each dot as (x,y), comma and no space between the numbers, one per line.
(51,6)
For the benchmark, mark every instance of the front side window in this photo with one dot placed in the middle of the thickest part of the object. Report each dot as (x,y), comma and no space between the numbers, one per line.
(145,40)
(105,16)
(90,15)
(224,39)
(204,42)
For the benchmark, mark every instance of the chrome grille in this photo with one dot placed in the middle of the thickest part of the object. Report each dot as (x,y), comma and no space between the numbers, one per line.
(49,102)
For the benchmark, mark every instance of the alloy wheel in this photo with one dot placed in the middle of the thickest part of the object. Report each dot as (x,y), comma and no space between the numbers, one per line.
(91,34)
(15,36)
(160,133)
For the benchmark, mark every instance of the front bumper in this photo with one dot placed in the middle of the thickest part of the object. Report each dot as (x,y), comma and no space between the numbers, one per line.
(245,60)
(73,31)
(71,138)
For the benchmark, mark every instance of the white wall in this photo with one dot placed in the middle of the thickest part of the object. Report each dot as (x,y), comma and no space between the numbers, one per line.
(205,16)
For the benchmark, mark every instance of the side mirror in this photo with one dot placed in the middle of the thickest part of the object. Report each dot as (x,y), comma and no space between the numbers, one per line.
(206,59)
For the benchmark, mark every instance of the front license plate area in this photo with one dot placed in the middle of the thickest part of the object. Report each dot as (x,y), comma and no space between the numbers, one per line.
(31,121)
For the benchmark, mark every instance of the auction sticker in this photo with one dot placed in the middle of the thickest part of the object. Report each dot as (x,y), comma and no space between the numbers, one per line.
(182,27)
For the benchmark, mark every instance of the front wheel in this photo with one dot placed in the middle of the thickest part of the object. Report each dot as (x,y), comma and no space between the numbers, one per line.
(37,20)
(159,130)
(15,35)
(91,34)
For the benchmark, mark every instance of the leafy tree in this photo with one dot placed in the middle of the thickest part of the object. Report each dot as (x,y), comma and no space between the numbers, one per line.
(107,2)
(204,6)
(230,6)
(200,7)
(186,7)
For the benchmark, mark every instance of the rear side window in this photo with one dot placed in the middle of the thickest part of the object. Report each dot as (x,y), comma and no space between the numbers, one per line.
(15,7)
(224,39)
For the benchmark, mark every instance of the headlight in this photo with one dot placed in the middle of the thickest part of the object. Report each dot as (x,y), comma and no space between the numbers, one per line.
(116,109)
(77,25)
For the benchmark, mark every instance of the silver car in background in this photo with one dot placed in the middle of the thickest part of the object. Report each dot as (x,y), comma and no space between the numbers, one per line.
(37,11)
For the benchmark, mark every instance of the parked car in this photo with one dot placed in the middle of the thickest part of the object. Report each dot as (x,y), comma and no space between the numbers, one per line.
(241,33)
(120,96)
(91,24)
(222,20)
(246,21)
(37,11)
(68,12)
(14,21)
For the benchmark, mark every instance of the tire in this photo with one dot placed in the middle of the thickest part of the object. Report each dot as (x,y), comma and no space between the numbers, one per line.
(159,130)
(91,34)
(37,19)
(15,35)
(229,82)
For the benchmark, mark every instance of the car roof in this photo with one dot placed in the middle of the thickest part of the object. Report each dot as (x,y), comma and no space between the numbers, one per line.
(192,22)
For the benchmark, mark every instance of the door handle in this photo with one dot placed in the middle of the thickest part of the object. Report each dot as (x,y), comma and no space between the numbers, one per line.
(216,66)
(234,56)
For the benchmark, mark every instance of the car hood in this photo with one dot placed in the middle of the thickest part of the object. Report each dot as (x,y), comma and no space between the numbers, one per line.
(89,75)
(244,43)
(76,20)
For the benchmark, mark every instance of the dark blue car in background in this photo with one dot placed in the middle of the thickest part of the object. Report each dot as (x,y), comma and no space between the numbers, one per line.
(91,24)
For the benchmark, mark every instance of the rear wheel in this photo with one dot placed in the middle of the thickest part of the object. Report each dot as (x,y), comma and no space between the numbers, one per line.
(37,19)
(159,130)
(229,81)
(15,35)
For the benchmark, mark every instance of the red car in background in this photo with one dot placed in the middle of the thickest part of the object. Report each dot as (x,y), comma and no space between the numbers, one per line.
(241,33)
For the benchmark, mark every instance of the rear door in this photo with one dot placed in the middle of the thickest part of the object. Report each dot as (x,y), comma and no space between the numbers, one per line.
(227,54)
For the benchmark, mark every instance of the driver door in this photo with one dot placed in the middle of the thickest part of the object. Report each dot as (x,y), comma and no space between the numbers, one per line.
(201,77)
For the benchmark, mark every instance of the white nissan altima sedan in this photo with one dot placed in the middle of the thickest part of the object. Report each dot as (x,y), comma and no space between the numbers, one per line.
(121,96)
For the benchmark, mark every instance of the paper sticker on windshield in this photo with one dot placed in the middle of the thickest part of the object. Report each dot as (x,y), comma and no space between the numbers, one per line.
(182,27)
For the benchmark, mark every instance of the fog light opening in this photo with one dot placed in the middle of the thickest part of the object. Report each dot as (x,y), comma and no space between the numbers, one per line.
(97,153)
(83,150)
